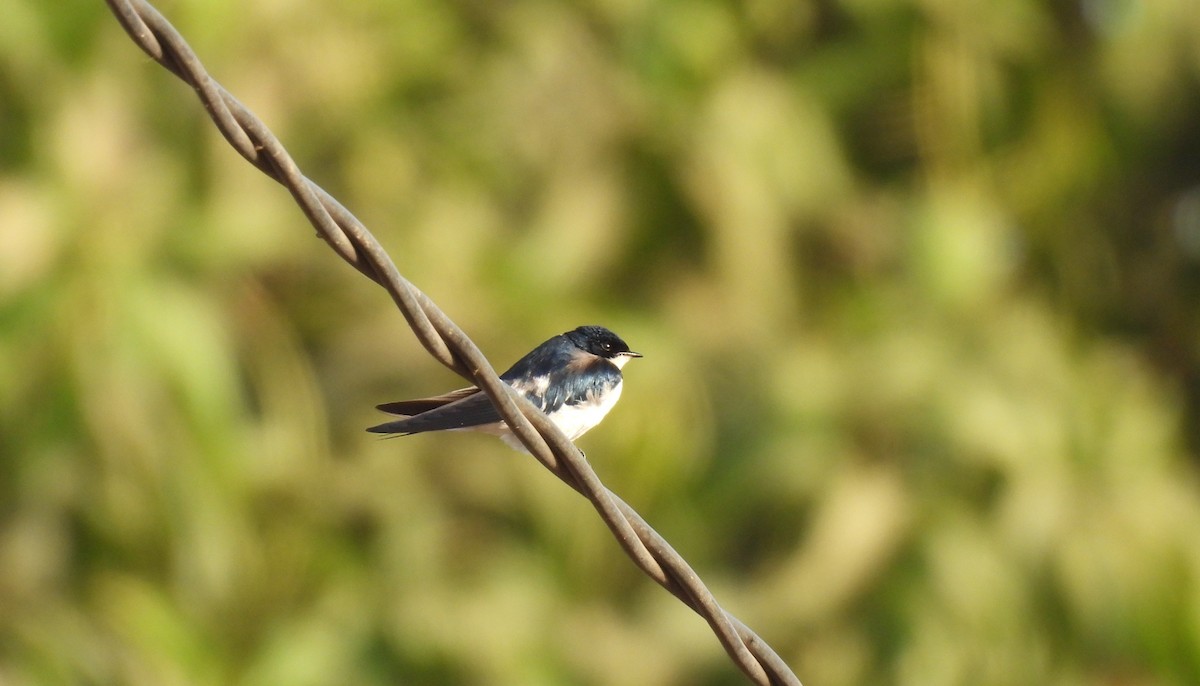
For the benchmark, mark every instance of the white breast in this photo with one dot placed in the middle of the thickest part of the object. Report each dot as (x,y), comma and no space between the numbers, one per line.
(576,420)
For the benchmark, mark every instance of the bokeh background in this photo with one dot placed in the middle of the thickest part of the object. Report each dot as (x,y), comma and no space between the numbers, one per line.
(915,281)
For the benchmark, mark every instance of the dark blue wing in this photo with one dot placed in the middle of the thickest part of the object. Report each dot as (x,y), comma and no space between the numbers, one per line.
(473,410)
(557,373)
(601,377)
(409,408)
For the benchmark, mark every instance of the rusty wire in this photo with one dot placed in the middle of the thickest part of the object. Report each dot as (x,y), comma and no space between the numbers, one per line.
(447,342)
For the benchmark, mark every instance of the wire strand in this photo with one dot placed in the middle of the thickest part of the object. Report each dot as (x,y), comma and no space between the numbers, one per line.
(447,343)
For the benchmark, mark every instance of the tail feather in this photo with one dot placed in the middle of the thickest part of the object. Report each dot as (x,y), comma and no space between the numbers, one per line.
(396,428)
(410,408)
(462,409)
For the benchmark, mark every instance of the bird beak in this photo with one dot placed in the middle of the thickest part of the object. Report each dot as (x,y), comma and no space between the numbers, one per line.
(630,353)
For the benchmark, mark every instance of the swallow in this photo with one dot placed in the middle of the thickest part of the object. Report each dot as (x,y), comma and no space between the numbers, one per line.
(575,378)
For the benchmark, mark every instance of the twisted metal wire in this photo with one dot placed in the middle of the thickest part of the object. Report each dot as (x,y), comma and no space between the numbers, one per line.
(447,343)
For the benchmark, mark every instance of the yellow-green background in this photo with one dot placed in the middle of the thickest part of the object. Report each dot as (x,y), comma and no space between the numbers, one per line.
(916,282)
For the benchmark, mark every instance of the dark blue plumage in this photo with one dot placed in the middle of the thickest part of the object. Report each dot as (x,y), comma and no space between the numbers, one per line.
(574,377)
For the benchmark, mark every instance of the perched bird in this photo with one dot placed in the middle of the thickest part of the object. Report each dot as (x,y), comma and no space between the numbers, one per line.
(575,378)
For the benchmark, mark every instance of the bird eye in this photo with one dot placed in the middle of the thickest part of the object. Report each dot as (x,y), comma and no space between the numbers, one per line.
(606,346)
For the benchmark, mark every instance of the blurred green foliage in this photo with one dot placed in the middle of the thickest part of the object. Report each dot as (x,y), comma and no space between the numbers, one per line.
(915,279)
